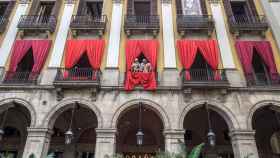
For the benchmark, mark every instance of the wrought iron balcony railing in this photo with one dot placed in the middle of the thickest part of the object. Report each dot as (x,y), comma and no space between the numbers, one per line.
(31,22)
(262,79)
(21,77)
(87,22)
(3,23)
(194,23)
(248,23)
(203,78)
(77,77)
(142,24)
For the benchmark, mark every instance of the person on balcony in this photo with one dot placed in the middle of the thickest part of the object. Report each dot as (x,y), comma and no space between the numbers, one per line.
(135,67)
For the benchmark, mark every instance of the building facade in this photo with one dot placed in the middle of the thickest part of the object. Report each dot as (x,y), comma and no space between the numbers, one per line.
(79,78)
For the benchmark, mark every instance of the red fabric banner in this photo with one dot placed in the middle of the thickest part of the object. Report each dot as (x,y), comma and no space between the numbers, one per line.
(189,48)
(40,49)
(74,51)
(245,50)
(133,49)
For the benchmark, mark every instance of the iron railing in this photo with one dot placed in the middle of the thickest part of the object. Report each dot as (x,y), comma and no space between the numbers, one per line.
(195,22)
(37,22)
(78,74)
(142,22)
(88,22)
(204,75)
(244,22)
(262,79)
(21,77)
(3,23)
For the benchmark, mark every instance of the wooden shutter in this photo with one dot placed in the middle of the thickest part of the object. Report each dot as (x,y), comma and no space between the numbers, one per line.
(227,7)
(34,7)
(130,7)
(203,7)
(179,9)
(153,7)
(82,8)
(56,7)
(9,9)
(252,7)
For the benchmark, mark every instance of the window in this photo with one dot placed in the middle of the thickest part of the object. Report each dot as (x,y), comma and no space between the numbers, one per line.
(46,8)
(26,63)
(3,8)
(94,9)
(200,70)
(260,69)
(191,7)
(142,8)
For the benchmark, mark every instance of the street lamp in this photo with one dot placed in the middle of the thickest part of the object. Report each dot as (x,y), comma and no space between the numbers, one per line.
(210,135)
(2,132)
(69,134)
(140,134)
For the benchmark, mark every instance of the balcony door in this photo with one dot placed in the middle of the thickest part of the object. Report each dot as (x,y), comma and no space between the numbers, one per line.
(26,63)
(261,74)
(82,70)
(191,7)
(94,9)
(200,70)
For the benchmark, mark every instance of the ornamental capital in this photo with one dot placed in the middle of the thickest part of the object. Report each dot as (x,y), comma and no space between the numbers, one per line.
(166,1)
(214,1)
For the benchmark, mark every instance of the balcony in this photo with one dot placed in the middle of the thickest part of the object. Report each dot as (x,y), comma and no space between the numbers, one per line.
(204,78)
(77,78)
(244,23)
(3,23)
(20,77)
(195,23)
(86,23)
(262,79)
(135,24)
(37,23)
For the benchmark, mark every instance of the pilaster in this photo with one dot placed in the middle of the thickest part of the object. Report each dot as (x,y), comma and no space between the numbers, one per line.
(173,140)
(243,143)
(37,142)
(105,142)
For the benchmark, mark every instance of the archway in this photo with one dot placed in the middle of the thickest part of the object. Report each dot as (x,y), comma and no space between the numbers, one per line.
(128,124)
(15,118)
(196,125)
(84,122)
(266,123)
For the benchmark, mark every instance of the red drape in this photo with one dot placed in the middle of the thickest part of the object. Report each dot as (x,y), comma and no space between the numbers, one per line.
(208,49)
(245,50)
(74,51)
(40,52)
(20,48)
(133,49)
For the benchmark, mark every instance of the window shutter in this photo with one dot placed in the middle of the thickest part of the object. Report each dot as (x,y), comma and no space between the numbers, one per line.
(9,8)
(34,7)
(179,7)
(252,7)
(56,8)
(227,7)
(82,7)
(203,7)
(153,7)
(130,7)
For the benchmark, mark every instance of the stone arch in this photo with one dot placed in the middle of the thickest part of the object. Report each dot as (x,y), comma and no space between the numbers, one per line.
(50,118)
(25,104)
(257,106)
(150,104)
(225,112)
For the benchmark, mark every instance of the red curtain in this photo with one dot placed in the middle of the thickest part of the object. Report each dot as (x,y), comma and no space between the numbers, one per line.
(40,52)
(74,51)
(245,51)
(208,49)
(20,48)
(133,49)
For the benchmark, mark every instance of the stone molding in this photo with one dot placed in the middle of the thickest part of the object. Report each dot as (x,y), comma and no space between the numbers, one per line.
(242,135)
(174,134)
(105,132)
(214,1)
(39,132)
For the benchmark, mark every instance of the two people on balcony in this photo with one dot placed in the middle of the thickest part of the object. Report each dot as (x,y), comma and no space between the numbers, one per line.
(144,66)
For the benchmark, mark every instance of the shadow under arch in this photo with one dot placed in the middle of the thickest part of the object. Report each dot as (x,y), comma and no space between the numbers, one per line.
(149,104)
(225,112)
(51,117)
(25,104)
(258,106)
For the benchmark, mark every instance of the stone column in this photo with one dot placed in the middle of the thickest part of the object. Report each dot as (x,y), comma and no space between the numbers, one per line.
(37,142)
(11,33)
(59,43)
(173,140)
(243,143)
(223,36)
(105,142)
(111,75)
(170,75)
